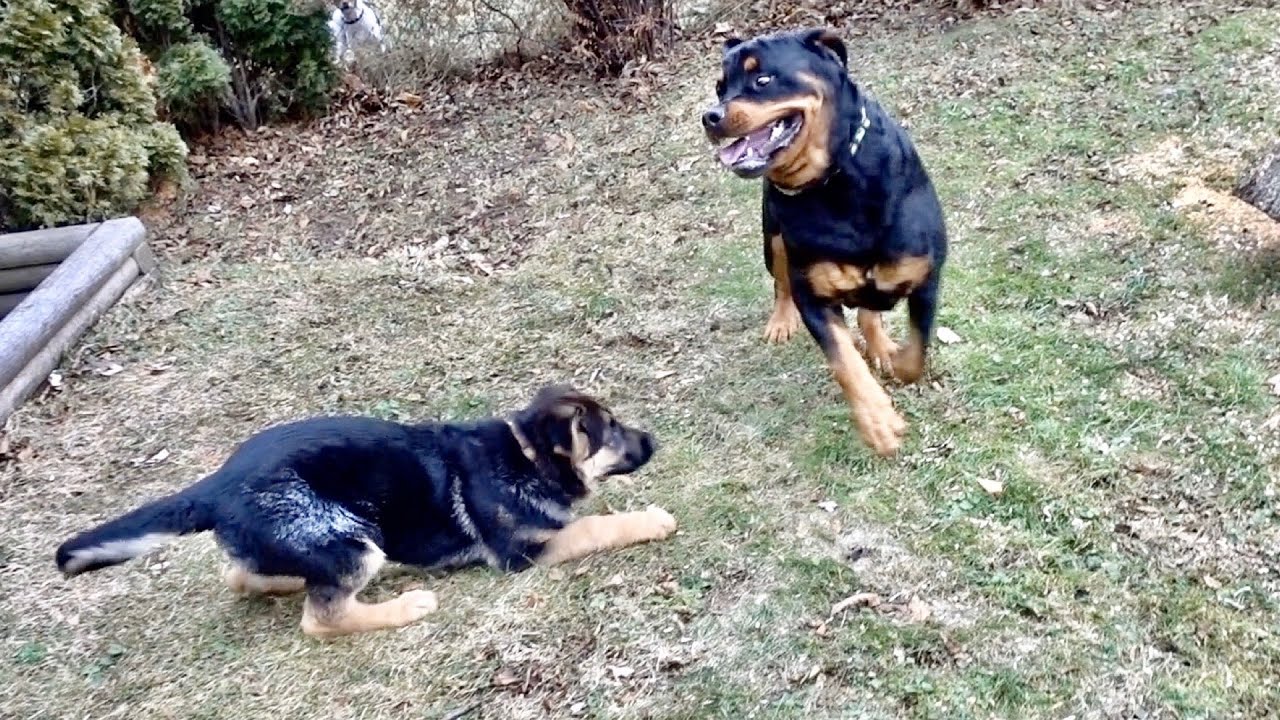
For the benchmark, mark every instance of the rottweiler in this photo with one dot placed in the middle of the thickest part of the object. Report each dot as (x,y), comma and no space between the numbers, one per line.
(850,216)
(321,504)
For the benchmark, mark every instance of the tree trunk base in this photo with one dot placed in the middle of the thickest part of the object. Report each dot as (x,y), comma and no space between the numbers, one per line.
(1261,187)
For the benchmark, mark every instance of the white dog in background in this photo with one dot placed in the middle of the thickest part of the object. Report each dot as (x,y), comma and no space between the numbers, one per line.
(355,27)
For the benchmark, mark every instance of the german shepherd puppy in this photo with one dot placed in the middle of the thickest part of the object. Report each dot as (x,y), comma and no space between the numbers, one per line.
(850,216)
(319,505)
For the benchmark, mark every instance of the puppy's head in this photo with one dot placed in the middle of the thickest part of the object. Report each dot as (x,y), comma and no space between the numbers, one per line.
(575,429)
(350,9)
(775,102)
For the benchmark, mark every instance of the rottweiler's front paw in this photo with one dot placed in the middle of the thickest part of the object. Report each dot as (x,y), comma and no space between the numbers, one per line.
(783,323)
(880,352)
(879,425)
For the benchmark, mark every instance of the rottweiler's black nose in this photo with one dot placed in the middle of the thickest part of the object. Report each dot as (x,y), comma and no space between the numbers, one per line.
(712,118)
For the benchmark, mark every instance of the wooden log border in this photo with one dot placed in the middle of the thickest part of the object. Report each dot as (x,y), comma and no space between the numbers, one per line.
(99,262)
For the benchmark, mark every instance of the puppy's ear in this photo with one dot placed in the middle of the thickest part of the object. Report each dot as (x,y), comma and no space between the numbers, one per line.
(731,43)
(824,41)
(555,418)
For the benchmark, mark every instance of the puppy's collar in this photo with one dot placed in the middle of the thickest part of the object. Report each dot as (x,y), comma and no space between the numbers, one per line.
(858,135)
(522,441)
(358,18)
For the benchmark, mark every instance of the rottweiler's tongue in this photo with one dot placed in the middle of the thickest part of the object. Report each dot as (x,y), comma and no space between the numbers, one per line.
(742,148)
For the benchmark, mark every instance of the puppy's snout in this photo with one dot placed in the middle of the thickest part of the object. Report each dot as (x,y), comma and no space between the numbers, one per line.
(647,447)
(712,118)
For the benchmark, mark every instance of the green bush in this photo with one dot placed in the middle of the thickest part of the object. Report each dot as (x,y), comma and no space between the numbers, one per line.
(193,82)
(79,138)
(247,60)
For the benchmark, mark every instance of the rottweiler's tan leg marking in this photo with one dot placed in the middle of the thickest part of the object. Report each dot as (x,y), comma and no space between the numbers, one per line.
(878,423)
(244,582)
(908,363)
(331,612)
(601,533)
(785,320)
(880,348)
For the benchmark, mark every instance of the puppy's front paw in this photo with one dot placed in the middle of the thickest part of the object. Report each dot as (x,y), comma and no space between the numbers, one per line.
(415,605)
(661,524)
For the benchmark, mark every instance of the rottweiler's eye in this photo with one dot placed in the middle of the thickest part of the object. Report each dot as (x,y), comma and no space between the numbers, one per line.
(764,80)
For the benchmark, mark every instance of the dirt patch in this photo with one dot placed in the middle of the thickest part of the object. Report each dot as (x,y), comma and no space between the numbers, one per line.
(1233,220)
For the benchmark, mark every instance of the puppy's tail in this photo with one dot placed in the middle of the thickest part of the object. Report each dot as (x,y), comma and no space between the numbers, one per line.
(138,532)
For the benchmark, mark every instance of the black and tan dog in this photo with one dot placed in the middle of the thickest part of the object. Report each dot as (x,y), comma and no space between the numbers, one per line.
(320,505)
(851,218)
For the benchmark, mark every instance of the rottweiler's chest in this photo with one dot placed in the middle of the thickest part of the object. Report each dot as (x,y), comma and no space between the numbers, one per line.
(877,286)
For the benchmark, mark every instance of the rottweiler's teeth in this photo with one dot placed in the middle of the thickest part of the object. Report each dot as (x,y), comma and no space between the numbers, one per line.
(777,130)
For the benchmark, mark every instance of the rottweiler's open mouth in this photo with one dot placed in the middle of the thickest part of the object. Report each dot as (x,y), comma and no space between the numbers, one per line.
(750,154)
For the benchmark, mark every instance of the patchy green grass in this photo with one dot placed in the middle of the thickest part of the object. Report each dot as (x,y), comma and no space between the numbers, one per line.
(1111,376)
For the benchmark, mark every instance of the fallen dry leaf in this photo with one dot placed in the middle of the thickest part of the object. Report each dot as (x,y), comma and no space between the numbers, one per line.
(409,99)
(919,610)
(55,380)
(994,488)
(1212,582)
(828,505)
(109,370)
(863,599)
(505,678)
(947,336)
(1274,382)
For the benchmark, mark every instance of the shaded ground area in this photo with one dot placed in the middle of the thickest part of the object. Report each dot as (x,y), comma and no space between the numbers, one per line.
(1116,333)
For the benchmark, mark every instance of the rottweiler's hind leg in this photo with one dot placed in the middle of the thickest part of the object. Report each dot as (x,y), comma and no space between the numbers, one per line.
(909,362)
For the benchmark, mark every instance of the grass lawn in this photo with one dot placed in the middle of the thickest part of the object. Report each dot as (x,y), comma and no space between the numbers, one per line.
(1111,375)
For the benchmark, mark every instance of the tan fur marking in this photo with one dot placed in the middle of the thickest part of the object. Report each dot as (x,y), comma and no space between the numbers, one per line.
(902,276)
(743,117)
(834,280)
(908,363)
(598,464)
(750,64)
(807,157)
(878,424)
(352,616)
(601,533)
(344,614)
(785,319)
(243,582)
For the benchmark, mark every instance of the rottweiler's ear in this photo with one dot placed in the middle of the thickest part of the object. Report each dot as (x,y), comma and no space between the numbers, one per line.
(731,43)
(823,40)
